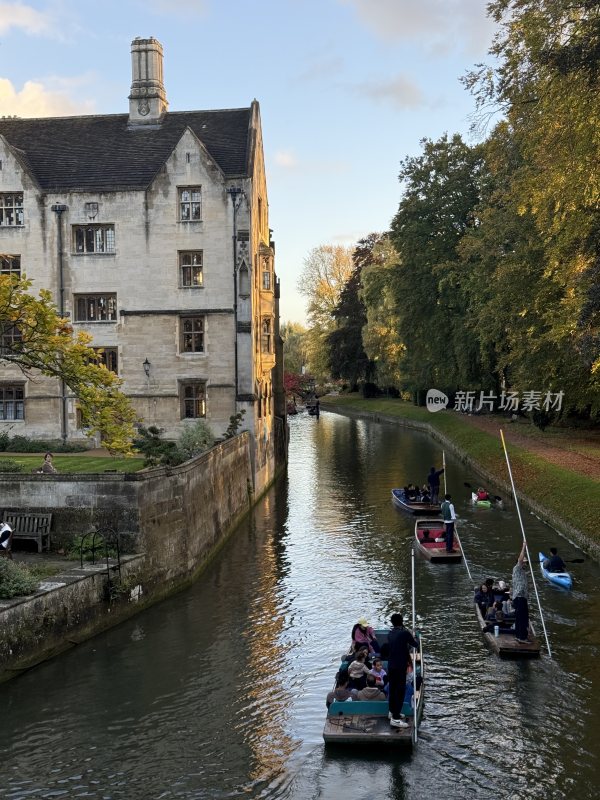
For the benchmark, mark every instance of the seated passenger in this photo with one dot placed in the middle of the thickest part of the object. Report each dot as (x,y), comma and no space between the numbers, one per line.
(341,693)
(508,609)
(364,634)
(371,691)
(425,496)
(425,537)
(483,598)
(482,494)
(358,671)
(555,562)
(495,616)
(378,672)
(500,592)
(412,492)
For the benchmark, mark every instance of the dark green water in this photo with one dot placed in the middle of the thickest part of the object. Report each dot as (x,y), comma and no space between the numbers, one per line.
(219,692)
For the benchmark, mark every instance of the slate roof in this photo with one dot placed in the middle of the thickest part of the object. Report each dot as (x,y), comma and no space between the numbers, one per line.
(101,153)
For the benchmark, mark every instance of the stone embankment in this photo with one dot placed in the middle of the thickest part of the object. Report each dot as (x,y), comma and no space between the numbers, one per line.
(174,520)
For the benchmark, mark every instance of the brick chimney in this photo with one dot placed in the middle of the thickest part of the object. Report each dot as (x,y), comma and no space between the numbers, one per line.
(148,100)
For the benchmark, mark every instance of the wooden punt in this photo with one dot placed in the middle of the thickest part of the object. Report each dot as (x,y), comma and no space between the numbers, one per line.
(413,507)
(505,645)
(432,550)
(367,722)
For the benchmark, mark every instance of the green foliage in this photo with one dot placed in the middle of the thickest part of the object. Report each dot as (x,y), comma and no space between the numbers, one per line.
(235,422)
(47,343)
(195,438)
(294,346)
(23,444)
(10,465)
(15,580)
(157,450)
(91,549)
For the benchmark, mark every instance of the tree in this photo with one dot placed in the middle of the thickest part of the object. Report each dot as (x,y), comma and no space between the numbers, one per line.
(546,79)
(347,357)
(294,346)
(441,190)
(326,270)
(35,337)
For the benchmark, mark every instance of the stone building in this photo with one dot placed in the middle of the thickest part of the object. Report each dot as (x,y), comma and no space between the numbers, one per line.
(151,230)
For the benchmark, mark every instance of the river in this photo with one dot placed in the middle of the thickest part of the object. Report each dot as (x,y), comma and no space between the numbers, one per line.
(219,692)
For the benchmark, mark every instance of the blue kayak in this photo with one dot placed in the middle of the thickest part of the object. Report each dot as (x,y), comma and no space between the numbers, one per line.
(562,579)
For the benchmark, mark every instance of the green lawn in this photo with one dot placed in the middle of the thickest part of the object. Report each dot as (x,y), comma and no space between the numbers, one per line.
(571,496)
(77,463)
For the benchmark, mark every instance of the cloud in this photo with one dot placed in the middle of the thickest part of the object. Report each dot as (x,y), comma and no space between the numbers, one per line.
(440,25)
(179,7)
(26,18)
(400,91)
(285,158)
(37,99)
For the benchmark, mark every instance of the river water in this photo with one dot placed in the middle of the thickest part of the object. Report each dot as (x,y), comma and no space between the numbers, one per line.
(219,692)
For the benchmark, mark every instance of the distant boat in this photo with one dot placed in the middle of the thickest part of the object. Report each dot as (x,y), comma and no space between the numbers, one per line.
(435,551)
(367,721)
(414,506)
(480,503)
(505,644)
(562,579)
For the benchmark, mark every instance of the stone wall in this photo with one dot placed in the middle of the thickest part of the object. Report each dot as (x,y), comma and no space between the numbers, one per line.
(175,517)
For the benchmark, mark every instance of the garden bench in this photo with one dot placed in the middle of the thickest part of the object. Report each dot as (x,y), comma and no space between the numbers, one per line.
(29,526)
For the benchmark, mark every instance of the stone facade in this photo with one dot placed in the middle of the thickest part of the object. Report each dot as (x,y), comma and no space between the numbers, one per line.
(172,275)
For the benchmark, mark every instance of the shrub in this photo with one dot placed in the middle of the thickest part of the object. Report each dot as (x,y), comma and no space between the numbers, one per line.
(195,438)
(157,450)
(235,421)
(15,579)
(10,465)
(96,553)
(23,444)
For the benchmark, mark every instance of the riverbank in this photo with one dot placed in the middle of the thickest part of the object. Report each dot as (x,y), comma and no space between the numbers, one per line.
(559,494)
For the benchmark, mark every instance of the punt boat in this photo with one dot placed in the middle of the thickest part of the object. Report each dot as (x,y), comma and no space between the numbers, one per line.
(563,579)
(430,549)
(505,645)
(413,506)
(367,722)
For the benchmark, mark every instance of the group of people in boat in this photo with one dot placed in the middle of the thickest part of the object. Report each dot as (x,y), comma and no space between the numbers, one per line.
(494,601)
(363,674)
(429,492)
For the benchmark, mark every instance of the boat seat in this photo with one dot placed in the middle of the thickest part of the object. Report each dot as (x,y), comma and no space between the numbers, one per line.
(372,708)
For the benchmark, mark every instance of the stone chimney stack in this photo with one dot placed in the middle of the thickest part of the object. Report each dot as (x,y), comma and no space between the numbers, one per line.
(147,101)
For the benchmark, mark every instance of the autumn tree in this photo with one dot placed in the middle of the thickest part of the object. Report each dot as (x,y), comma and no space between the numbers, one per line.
(36,338)
(325,272)
(294,346)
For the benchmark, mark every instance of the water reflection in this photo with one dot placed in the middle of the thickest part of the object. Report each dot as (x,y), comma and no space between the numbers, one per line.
(219,692)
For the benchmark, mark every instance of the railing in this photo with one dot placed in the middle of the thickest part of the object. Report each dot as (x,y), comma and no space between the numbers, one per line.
(106,539)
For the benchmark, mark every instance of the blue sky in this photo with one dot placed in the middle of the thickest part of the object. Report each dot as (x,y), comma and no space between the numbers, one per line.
(347,89)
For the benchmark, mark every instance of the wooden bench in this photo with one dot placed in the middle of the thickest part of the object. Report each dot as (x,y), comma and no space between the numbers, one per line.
(29,526)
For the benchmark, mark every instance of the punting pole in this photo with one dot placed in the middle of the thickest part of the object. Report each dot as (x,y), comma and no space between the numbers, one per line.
(414,627)
(457,536)
(444,466)
(512,483)
(463,555)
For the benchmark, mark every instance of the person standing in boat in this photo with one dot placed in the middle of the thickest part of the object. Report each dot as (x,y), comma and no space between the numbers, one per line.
(520,594)
(399,642)
(555,562)
(433,481)
(449,515)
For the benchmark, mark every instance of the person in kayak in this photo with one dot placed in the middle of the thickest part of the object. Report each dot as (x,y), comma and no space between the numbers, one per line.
(433,481)
(555,562)
(482,494)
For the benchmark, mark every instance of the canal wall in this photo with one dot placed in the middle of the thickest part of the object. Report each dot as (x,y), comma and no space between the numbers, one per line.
(174,518)
(555,522)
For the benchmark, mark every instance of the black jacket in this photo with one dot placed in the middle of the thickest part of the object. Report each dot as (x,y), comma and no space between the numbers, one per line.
(399,641)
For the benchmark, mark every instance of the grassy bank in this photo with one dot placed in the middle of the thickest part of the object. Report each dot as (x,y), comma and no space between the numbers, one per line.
(563,492)
(76,463)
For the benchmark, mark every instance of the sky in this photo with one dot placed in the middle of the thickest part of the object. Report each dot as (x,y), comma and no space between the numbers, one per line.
(347,90)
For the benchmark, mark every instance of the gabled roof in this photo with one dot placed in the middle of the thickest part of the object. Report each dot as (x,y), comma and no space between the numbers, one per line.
(102,153)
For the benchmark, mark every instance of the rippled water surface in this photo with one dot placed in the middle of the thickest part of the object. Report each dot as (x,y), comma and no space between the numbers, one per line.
(219,692)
